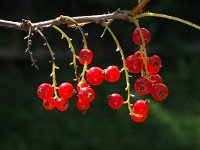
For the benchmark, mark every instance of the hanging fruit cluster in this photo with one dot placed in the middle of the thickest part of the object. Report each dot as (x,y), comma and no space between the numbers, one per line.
(149,81)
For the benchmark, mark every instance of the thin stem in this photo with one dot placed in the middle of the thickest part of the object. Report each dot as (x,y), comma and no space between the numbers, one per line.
(79,27)
(139,7)
(150,14)
(54,67)
(124,68)
(83,72)
(142,47)
(69,40)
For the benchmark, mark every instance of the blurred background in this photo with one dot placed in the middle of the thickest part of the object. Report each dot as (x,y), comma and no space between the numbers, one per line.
(171,124)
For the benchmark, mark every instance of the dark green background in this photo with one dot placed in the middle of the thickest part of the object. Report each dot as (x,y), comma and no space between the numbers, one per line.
(172,124)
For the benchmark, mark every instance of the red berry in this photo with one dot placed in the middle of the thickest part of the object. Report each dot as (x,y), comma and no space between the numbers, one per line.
(44,91)
(62,104)
(156,78)
(159,92)
(153,64)
(49,103)
(82,105)
(140,107)
(86,94)
(137,38)
(139,119)
(140,54)
(66,90)
(95,76)
(143,85)
(85,56)
(115,101)
(134,64)
(81,84)
(112,73)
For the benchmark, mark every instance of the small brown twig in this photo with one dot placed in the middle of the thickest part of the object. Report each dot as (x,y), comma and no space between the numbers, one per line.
(139,7)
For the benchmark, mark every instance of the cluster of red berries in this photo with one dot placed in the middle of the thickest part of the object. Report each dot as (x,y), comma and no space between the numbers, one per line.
(148,82)
(94,76)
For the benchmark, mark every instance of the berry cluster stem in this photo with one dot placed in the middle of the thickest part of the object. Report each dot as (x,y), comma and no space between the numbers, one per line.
(54,67)
(124,69)
(69,40)
(142,47)
(150,14)
(79,27)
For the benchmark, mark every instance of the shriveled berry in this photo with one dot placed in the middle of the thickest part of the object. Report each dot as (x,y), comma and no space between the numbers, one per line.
(156,78)
(66,90)
(159,92)
(86,94)
(62,104)
(115,101)
(81,84)
(112,73)
(140,107)
(95,76)
(137,39)
(153,64)
(134,64)
(139,119)
(82,105)
(45,90)
(49,103)
(143,85)
(85,56)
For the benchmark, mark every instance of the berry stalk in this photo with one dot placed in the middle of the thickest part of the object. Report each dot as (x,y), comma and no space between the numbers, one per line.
(124,69)
(69,40)
(54,67)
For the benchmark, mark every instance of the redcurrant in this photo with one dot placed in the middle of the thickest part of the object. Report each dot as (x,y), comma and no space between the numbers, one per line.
(86,94)
(81,84)
(82,105)
(140,107)
(159,92)
(134,64)
(143,85)
(115,101)
(140,54)
(153,64)
(139,119)
(44,91)
(137,38)
(156,78)
(95,76)
(66,90)
(49,103)
(112,73)
(62,104)
(85,56)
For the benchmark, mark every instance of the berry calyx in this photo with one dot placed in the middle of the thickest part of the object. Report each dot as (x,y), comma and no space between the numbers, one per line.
(95,76)
(66,90)
(85,56)
(82,105)
(115,101)
(153,64)
(61,104)
(81,84)
(138,119)
(45,90)
(143,85)
(159,92)
(156,78)
(86,94)
(112,73)
(134,64)
(140,107)
(49,103)
(137,39)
